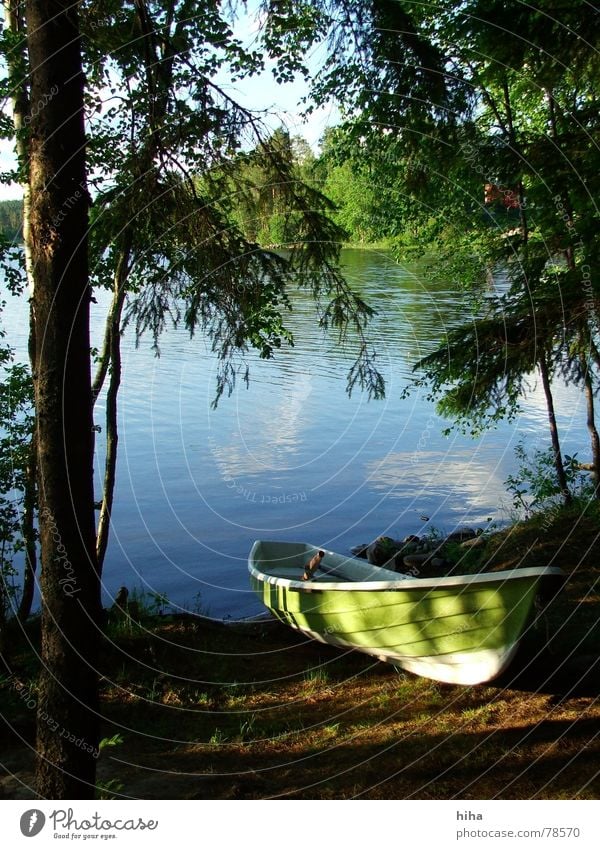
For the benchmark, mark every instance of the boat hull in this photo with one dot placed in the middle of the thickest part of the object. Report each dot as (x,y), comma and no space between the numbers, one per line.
(462,630)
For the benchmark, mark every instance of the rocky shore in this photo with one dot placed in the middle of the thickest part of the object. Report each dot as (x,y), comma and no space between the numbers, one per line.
(427,556)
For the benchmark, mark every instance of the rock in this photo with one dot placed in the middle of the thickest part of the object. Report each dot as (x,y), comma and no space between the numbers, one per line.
(380,551)
(391,553)
(476,542)
(426,566)
(411,560)
(461,534)
(121,598)
(396,563)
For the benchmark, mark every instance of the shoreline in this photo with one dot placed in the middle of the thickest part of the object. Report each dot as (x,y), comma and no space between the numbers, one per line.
(196,708)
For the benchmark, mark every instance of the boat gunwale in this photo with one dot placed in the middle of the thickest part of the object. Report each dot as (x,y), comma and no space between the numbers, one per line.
(402,583)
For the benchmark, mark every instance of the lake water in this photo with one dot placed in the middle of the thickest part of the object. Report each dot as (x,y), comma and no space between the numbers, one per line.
(292,456)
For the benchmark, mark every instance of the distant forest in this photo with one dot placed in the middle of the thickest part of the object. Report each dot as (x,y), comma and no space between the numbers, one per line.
(11,220)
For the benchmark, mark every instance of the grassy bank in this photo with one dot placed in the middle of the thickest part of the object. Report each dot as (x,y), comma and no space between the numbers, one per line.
(383,245)
(207,710)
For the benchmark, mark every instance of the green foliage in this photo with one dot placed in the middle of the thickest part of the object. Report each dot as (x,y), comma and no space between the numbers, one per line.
(466,561)
(110,789)
(290,30)
(271,188)
(358,171)
(218,737)
(193,191)
(142,607)
(11,220)
(165,144)
(315,677)
(247,731)
(110,742)
(478,376)
(158,603)
(482,146)
(16,427)
(355,195)
(535,485)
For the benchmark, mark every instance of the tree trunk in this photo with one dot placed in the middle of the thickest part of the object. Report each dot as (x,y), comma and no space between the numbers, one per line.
(67,727)
(4,606)
(512,139)
(113,354)
(591,422)
(558,463)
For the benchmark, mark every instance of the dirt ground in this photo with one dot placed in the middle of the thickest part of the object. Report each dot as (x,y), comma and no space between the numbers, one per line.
(204,710)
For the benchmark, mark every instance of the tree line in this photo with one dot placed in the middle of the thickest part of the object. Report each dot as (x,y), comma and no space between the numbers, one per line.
(11,220)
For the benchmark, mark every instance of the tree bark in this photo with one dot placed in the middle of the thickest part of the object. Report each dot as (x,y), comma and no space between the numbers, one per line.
(512,139)
(67,727)
(4,606)
(591,422)
(113,355)
(558,463)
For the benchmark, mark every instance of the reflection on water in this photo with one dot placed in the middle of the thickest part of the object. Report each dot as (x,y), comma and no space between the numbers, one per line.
(292,456)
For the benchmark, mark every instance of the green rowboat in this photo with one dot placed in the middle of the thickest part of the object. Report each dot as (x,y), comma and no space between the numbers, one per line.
(462,629)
